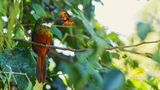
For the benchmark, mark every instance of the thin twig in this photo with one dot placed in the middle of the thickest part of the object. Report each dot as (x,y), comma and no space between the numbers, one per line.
(130,46)
(16,73)
(11,72)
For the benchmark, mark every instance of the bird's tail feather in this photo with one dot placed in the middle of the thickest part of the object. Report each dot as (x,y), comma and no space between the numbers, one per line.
(41,68)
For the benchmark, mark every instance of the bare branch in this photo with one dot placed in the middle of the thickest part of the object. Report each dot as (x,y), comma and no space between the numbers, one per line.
(49,46)
(84,49)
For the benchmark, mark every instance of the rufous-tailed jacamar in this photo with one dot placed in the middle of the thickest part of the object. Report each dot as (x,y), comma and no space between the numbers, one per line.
(41,34)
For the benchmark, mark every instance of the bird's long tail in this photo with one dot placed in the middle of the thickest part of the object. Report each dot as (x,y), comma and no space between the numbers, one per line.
(41,68)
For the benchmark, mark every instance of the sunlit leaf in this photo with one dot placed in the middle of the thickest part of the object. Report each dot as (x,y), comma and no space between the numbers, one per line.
(3,6)
(138,70)
(139,84)
(115,38)
(14,10)
(19,33)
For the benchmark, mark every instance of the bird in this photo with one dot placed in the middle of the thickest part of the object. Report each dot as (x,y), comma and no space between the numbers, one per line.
(42,34)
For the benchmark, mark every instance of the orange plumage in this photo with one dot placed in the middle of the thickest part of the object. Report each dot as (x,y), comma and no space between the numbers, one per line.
(41,34)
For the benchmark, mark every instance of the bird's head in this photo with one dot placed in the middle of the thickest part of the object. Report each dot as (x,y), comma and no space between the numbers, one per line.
(48,22)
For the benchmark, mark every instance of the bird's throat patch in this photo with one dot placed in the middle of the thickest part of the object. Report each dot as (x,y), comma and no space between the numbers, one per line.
(47,24)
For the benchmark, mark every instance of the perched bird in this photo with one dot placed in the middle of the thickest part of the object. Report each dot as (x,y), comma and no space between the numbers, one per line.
(41,34)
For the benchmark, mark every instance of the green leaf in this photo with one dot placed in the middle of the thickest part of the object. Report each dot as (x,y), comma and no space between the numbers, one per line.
(115,38)
(140,85)
(115,55)
(30,86)
(96,81)
(20,61)
(73,73)
(1,25)
(153,82)
(1,33)
(128,85)
(19,33)
(39,10)
(3,7)
(87,25)
(14,10)
(36,17)
(143,29)
(83,70)
(76,41)
(81,56)
(106,58)
(101,44)
(56,32)
(58,84)
(113,79)
(23,45)
(156,55)
(67,3)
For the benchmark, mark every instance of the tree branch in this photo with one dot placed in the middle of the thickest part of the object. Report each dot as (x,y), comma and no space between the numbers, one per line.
(49,46)
(84,49)
(130,46)
(80,50)
(58,56)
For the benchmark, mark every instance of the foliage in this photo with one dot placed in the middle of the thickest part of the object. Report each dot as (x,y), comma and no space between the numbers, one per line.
(92,69)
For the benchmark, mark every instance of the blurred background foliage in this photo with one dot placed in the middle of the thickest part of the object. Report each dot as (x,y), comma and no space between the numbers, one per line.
(95,69)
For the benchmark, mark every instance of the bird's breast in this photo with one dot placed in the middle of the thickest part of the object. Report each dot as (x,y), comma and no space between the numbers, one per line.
(42,36)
